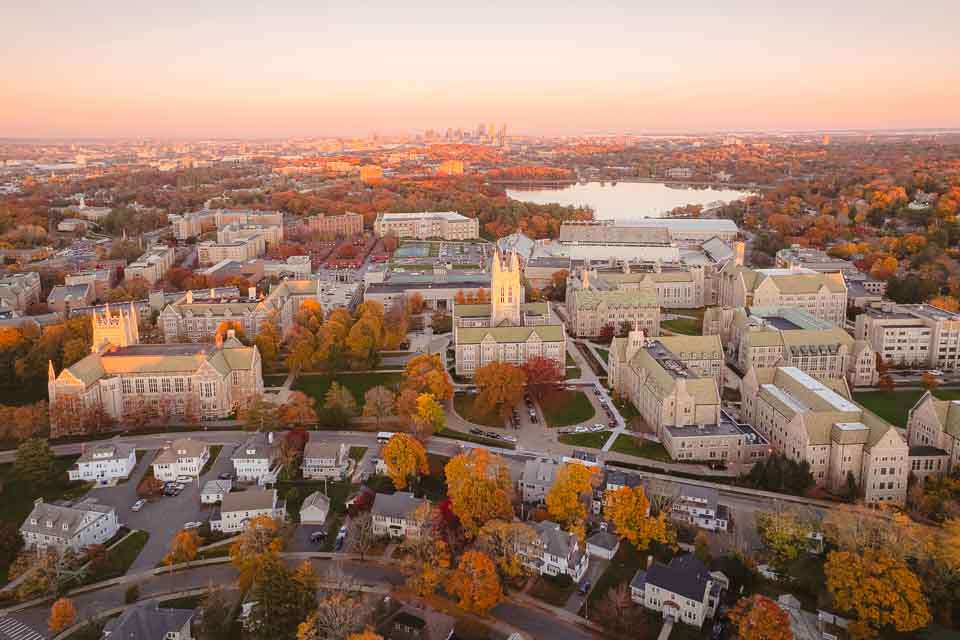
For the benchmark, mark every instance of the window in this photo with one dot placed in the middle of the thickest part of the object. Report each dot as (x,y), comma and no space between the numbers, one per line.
(165,385)
(139,385)
(152,385)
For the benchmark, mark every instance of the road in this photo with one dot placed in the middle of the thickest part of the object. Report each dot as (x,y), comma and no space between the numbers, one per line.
(535,621)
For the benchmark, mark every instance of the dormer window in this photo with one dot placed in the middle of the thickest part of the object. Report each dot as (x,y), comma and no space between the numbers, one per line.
(66,526)
(49,523)
(33,521)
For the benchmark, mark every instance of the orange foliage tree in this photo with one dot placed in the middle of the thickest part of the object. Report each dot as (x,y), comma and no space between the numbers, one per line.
(629,510)
(479,488)
(475,583)
(405,458)
(63,615)
(760,618)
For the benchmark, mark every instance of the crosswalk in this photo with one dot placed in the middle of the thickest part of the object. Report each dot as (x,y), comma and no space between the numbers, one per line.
(11,629)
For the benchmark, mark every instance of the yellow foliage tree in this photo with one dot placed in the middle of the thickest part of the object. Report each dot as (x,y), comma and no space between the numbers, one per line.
(426,373)
(366,635)
(568,498)
(479,488)
(259,541)
(881,591)
(503,542)
(429,412)
(475,583)
(629,510)
(426,559)
(405,458)
(501,387)
(183,548)
(63,615)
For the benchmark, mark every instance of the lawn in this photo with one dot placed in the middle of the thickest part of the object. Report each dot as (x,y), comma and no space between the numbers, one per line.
(626,409)
(274,380)
(605,354)
(357,383)
(119,558)
(624,566)
(463,404)
(893,406)
(356,453)
(590,440)
(633,446)
(683,326)
(552,590)
(572,373)
(565,408)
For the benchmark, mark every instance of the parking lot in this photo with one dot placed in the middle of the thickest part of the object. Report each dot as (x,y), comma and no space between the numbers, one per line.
(160,517)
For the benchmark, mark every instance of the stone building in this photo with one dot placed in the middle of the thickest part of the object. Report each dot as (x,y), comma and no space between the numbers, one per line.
(912,335)
(593,304)
(446,225)
(822,295)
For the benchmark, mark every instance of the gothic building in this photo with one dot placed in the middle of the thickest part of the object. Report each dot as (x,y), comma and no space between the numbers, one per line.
(123,381)
(508,329)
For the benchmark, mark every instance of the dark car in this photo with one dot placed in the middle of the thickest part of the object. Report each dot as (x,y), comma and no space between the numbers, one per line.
(225,476)
(584,587)
(476,432)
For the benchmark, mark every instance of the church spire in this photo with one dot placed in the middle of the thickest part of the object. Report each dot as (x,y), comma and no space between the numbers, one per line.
(51,374)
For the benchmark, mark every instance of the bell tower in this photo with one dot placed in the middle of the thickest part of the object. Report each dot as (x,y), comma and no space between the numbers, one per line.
(506,291)
(115,330)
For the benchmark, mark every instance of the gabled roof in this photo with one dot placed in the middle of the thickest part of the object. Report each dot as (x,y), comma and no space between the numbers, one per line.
(147,621)
(685,576)
(402,505)
(555,540)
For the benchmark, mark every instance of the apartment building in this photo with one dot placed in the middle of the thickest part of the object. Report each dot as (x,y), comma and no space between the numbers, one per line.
(911,335)
(255,459)
(325,460)
(395,515)
(152,266)
(813,259)
(272,234)
(182,457)
(347,224)
(684,231)
(727,441)
(63,297)
(238,508)
(104,463)
(192,224)
(102,280)
(536,479)
(67,526)
(446,225)
(822,295)
(593,305)
(245,248)
(815,421)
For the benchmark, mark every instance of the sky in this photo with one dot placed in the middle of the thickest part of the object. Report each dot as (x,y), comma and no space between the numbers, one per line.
(129,68)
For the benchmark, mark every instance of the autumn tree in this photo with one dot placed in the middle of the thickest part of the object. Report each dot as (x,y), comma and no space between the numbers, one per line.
(284,598)
(34,462)
(341,609)
(475,583)
(378,403)
(886,383)
(405,458)
(63,615)
(629,511)
(425,373)
(417,303)
(503,542)
(479,489)
(929,381)
(298,411)
(225,327)
(430,413)
(263,415)
(879,590)
(786,533)
(260,540)
(758,617)
(425,557)
(501,388)
(360,534)
(183,548)
(544,376)
(569,497)
(339,403)
(617,612)
(215,614)
(365,635)
(268,342)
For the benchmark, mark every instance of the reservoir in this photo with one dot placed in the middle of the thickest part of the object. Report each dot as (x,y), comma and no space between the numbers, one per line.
(628,200)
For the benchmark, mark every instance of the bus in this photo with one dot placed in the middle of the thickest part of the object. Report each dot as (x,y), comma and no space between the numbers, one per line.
(384,436)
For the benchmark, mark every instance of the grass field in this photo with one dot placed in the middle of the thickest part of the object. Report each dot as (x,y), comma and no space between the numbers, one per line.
(631,446)
(120,557)
(605,354)
(893,406)
(356,453)
(684,326)
(463,404)
(357,383)
(594,440)
(566,408)
(572,373)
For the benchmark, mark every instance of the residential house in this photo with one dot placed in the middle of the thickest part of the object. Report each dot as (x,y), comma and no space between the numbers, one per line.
(682,591)
(325,460)
(214,490)
(240,507)
(147,621)
(414,623)
(394,515)
(537,478)
(314,509)
(183,457)
(698,506)
(603,544)
(104,463)
(69,526)
(255,459)
(555,552)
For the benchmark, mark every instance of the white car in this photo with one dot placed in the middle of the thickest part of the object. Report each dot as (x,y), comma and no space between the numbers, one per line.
(138,505)
(582,430)
(184,479)
(509,438)
(192,525)
(598,427)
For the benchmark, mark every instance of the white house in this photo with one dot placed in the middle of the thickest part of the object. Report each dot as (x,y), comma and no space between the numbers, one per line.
(698,506)
(395,515)
(214,490)
(240,507)
(314,509)
(683,591)
(325,460)
(254,460)
(183,457)
(104,463)
(67,526)
(556,552)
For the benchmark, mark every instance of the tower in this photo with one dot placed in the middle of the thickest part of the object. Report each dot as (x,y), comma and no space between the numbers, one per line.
(115,330)
(506,291)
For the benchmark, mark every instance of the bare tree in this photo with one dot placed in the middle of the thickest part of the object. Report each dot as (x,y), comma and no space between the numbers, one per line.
(360,534)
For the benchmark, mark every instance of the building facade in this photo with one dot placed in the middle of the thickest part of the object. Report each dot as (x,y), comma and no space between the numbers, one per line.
(238,508)
(592,306)
(682,591)
(255,459)
(933,432)
(446,225)
(152,266)
(72,527)
(396,515)
(347,224)
(507,329)
(911,335)
(822,295)
(104,463)
(325,460)
(182,457)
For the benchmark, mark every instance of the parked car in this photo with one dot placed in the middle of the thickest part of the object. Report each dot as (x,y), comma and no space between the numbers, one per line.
(492,434)
(138,505)
(509,438)
(584,587)
(581,430)
(612,424)
(476,432)
(225,476)
(598,427)
(184,480)
(318,536)
(192,525)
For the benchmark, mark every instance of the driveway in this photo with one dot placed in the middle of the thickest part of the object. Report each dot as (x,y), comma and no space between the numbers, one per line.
(594,571)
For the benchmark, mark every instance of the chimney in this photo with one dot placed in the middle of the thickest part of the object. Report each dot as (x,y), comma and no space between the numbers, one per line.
(252,293)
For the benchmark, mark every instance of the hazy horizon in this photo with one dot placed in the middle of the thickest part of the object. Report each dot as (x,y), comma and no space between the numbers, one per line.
(244,71)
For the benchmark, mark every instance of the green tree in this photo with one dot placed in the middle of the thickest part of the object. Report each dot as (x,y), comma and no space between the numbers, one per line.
(260,415)
(339,403)
(34,462)
(284,599)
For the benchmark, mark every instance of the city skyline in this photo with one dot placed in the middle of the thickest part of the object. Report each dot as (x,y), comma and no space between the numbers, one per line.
(222,71)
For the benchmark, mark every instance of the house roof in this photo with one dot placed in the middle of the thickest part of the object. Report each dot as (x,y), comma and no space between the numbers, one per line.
(112,450)
(401,504)
(604,540)
(189,447)
(147,621)
(59,516)
(412,622)
(555,540)
(316,500)
(217,487)
(249,500)
(685,576)
(256,447)
(545,332)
